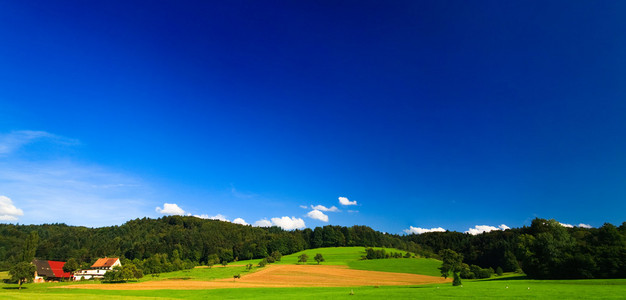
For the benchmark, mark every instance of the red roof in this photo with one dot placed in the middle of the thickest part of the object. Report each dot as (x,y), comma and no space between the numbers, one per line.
(104,262)
(57,269)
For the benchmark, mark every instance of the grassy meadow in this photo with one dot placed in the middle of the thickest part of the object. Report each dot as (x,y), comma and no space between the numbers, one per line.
(508,286)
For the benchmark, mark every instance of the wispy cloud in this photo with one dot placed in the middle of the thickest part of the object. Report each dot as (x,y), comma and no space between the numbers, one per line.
(346,201)
(285,223)
(77,194)
(13,141)
(478,229)
(317,215)
(419,230)
(54,189)
(8,211)
(324,208)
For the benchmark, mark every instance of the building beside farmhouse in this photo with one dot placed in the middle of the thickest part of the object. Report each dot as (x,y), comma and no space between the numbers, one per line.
(98,269)
(49,271)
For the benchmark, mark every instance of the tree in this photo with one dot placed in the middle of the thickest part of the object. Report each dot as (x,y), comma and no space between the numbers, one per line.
(30,247)
(303,258)
(451,262)
(319,258)
(70,266)
(499,271)
(22,272)
(212,260)
(263,262)
(276,255)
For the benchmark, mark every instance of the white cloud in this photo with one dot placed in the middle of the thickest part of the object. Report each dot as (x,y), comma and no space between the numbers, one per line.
(478,229)
(304,207)
(324,208)
(345,201)
(285,223)
(582,225)
(170,209)
(288,223)
(317,215)
(262,223)
(219,217)
(419,230)
(240,221)
(8,211)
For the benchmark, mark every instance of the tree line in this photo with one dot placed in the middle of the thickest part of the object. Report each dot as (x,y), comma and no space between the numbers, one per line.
(545,249)
(176,242)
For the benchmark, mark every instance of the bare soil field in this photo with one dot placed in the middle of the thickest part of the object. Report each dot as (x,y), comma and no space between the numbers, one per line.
(282,276)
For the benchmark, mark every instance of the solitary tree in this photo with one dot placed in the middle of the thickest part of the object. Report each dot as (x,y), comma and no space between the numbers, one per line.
(452,262)
(303,258)
(70,266)
(319,258)
(263,262)
(22,272)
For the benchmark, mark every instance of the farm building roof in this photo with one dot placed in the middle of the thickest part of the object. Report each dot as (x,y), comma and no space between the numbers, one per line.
(50,268)
(57,268)
(104,262)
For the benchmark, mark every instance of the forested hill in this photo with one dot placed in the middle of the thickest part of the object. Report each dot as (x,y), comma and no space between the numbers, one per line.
(189,238)
(545,249)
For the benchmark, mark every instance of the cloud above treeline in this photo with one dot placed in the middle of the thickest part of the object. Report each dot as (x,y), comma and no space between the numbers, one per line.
(582,225)
(285,223)
(170,209)
(478,229)
(174,209)
(419,230)
(8,211)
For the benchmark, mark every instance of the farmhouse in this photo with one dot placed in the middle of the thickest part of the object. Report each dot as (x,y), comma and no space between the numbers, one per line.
(49,270)
(98,269)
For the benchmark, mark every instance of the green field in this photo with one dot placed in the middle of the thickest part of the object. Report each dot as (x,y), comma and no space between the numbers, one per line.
(333,256)
(513,286)
(422,266)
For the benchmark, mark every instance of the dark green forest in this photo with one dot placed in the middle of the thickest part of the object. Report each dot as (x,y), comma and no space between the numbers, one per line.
(543,250)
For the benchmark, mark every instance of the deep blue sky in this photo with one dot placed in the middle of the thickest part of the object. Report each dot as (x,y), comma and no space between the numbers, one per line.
(427,113)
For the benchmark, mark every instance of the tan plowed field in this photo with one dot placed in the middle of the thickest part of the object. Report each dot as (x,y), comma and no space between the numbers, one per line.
(282,276)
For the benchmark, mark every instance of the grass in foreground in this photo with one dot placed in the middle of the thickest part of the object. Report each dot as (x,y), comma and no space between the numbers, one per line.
(489,289)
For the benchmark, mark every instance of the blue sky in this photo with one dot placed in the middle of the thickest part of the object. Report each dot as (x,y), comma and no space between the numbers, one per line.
(419,114)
